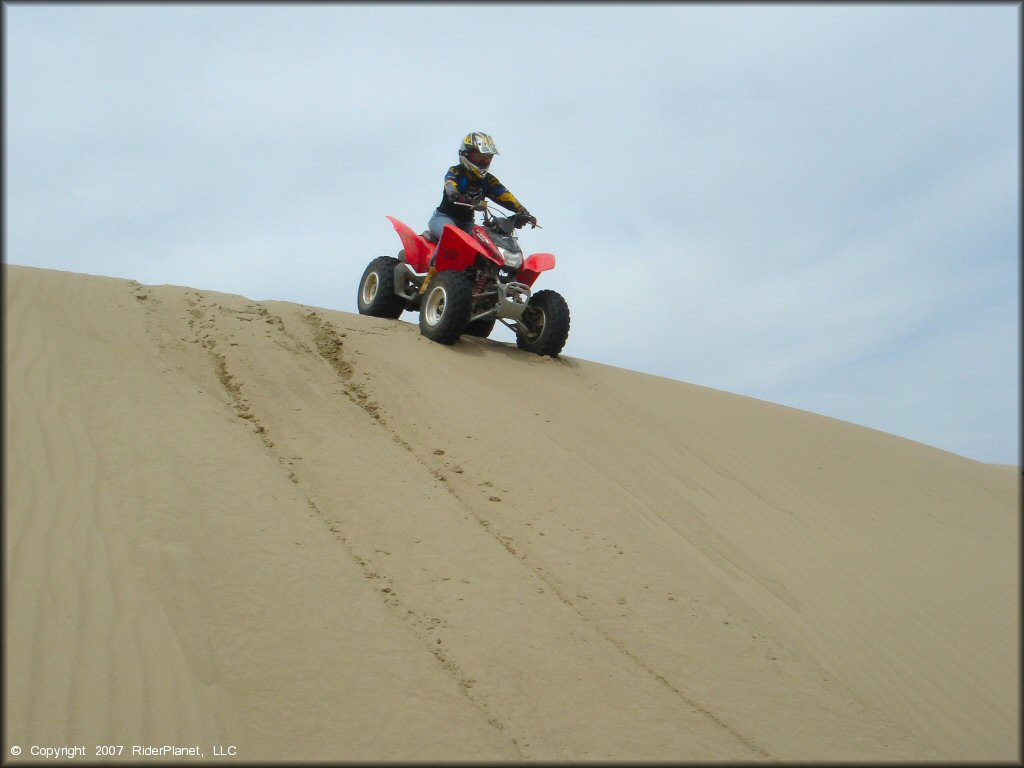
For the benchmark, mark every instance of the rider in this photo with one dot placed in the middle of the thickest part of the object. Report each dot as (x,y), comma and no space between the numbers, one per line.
(470,182)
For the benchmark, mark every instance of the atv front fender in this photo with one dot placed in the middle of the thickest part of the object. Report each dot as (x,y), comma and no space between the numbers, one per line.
(534,265)
(457,249)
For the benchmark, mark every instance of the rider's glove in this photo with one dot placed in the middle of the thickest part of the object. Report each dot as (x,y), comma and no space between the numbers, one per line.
(524,217)
(473,197)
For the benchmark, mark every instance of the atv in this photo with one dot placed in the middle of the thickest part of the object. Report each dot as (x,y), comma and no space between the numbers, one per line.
(467,282)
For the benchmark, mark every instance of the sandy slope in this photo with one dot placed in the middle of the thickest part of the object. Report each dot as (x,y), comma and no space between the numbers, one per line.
(315,535)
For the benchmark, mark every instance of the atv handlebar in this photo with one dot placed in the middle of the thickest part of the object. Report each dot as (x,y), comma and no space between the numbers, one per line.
(481,205)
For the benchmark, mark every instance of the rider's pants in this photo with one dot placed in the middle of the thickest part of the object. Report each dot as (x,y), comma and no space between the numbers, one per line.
(438,220)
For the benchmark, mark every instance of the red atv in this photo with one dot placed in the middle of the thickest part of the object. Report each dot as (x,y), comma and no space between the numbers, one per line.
(476,279)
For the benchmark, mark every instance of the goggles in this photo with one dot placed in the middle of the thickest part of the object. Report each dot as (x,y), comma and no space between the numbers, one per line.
(479,158)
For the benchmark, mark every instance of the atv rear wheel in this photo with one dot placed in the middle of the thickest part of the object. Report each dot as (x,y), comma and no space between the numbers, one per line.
(445,307)
(377,295)
(544,327)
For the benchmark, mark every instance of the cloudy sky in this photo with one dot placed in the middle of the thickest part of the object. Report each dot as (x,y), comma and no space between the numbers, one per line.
(814,205)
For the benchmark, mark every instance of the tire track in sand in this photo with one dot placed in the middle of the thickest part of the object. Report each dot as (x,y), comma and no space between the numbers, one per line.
(329,345)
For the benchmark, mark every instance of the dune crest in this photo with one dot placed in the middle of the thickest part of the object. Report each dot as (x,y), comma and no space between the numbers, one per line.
(319,536)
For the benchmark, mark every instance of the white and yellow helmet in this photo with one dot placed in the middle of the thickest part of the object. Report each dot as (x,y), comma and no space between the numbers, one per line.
(475,153)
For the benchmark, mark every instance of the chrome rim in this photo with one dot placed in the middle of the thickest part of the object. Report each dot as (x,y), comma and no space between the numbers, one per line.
(370,287)
(434,309)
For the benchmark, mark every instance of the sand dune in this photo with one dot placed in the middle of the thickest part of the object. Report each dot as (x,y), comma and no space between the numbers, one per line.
(318,536)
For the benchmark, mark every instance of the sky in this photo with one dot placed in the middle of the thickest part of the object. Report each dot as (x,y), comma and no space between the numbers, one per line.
(811,205)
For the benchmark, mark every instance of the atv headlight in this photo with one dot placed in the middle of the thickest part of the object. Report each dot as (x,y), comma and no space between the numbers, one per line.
(513,259)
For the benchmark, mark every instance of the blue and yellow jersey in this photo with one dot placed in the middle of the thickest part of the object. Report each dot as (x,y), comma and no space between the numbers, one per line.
(458,182)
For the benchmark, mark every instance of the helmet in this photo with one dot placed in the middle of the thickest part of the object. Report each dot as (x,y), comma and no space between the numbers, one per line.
(475,153)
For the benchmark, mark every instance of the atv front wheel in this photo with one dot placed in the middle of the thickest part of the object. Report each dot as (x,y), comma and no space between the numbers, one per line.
(544,327)
(445,307)
(377,295)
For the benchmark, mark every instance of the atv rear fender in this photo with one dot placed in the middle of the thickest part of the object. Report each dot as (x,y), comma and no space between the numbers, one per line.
(534,265)
(417,250)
